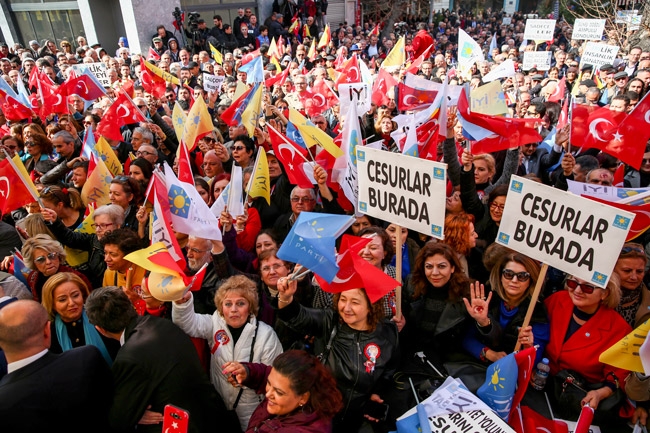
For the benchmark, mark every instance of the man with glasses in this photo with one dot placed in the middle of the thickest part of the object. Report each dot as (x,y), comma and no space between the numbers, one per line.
(149,153)
(200,252)
(295,98)
(68,149)
(302,199)
(141,136)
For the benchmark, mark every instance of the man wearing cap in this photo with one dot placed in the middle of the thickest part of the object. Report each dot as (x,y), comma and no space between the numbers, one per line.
(276,28)
(158,46)
(620,80)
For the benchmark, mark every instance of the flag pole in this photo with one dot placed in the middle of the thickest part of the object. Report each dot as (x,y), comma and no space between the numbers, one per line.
(398,272)
(533,300)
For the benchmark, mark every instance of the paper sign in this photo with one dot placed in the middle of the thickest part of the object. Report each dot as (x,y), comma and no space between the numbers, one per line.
(360,93)
(402,189)
(475,421)
(212,83)
(539,30)
(626,352)
(565,231)
(597,54)
(489,99)
(98,69)
(537,59)
(506,20)
(609,193)
(588,29)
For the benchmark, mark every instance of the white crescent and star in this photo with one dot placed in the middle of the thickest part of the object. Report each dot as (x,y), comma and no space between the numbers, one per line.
(2,190)
(356,73)
(594,124)
(406,100)
(126,109)
(321,98)
(283,146)
(338,280)
(647,116)
(85,88)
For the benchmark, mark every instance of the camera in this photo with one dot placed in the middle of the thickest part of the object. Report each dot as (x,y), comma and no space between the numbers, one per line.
(192,21)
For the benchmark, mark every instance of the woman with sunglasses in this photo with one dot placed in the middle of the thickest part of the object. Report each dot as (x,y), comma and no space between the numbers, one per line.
(500,315)
(634,306)
(46,257)
(37,148)
(584,323)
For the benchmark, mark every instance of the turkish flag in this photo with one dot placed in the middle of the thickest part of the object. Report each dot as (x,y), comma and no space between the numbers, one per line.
(415,66)
(349,72)
(384,82)
(634,133)
(641,221)
(153,54)
(321,99)
(85,87)
(414,99)
(288,153)
(250,56)
(152,83)
(599,130)
(564,114)
(278,79)
(184,166)
(122,112)
(55,99)
(560,90)
(13,109)
(13,192)
(428,138)
(355,272)
(526,420)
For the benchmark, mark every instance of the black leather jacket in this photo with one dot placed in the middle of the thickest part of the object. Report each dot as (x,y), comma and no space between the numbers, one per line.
(348,357)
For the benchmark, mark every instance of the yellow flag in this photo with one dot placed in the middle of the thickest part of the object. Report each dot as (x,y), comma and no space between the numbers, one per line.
(108,156)
(251,113)
(625,353)
(313,135)
(489,99)
(95,190)
(396,57)
(216,55)
(305,31)
(198,124)
(277,65)
(141,258)
(240,90)
(274,52)
(325,37)
(259,182)
(311,55)
(162,74)
(178,119)
(76,257)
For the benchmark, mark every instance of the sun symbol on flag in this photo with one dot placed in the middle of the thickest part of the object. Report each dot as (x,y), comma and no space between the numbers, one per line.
(467,50)
(179,121)
(318,231)
(179,201)
(495,381)
(197,119)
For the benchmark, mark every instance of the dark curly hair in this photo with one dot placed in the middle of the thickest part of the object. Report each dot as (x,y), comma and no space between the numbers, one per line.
(458,283)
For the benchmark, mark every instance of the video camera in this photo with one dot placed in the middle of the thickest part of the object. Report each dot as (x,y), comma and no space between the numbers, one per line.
(192,21)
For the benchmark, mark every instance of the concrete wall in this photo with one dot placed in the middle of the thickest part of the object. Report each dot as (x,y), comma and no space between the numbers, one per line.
(141,17)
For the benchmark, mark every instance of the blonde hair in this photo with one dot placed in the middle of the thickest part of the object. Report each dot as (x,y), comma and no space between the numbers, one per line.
(489,161)
(242,285)
(42,242)
(47,297)
(613,297)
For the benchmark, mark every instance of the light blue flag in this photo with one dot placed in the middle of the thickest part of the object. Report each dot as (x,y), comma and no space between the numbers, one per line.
(254,71)
(5,87)
(498,391)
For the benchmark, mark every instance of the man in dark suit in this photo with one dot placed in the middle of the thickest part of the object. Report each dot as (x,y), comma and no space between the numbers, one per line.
(157,365)
(43,391)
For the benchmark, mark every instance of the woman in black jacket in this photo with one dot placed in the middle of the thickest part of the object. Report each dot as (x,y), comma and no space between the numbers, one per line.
(354,342)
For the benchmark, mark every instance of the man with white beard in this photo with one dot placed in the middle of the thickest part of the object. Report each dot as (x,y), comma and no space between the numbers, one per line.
(199,252)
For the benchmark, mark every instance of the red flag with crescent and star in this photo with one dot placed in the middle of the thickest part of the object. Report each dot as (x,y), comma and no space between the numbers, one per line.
(634,133)
(84,86)
(380,88)
(349,72)
(598,128)
(289,155)
(320,99)
(14,193)
(122,112)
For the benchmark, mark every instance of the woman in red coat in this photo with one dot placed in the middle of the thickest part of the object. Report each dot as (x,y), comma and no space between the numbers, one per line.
(583,325)
(301,394)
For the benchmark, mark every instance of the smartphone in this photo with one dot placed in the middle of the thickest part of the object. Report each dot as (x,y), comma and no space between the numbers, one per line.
(376,410)
(175,419)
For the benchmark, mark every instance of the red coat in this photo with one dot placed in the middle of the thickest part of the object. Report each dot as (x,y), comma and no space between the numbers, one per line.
(421,42)
(581,351)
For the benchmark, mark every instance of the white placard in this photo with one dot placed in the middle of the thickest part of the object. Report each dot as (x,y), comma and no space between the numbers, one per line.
(402,189)
(539,30)
(537,59)
(604,192)
(506,20)
(98,70)
(567,232)
(361,93)
(588,29)
(597,54)
(475,421)
(212,83)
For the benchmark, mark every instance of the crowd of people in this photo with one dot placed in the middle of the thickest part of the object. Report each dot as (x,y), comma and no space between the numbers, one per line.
(260,346)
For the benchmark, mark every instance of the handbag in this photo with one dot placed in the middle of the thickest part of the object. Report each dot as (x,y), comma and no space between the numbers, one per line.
(571,388)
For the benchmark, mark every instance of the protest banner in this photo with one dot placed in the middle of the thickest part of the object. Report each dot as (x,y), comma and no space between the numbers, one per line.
(476,421)
(609,193)
(627,352)
(98,69)
(588,29)
(402,189)
(597,54)
(563,230)
(360,93)
(539,30)
(489,99)
(537,59)
(212,83)
(506,20)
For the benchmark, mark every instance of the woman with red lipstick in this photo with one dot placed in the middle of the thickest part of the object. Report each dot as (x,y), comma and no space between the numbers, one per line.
(63,297)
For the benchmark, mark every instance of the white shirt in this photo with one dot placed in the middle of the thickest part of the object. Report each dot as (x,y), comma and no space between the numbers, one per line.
(13,366)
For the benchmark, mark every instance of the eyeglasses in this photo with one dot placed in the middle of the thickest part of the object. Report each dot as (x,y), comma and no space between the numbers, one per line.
(586,288)
(275,268)
(142,107)
(497,206)
(196,250)
(41,259)
(238,148)
(101,226)
(301,199)
(509,274)
(30,144)
(140,153)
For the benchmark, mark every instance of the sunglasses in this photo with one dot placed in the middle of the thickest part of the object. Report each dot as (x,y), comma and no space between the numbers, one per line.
(30,144)
(586,288)
(509,274)
(238,148)
(42,259)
